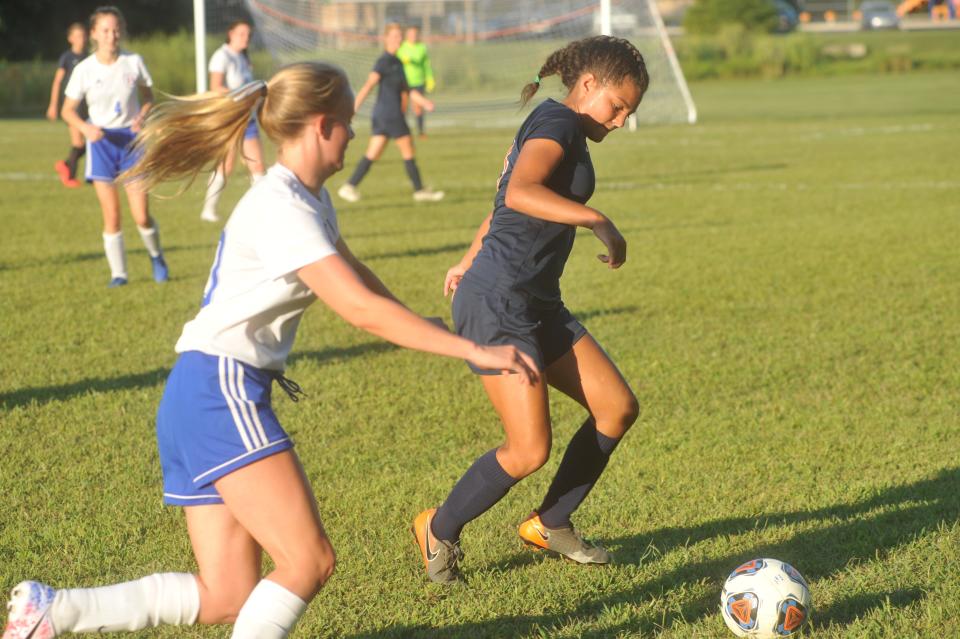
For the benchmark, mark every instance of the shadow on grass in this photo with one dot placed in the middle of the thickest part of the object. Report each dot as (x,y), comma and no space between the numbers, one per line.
(69,258)
(860,531)
(585,316)
(157,376)
(419,252)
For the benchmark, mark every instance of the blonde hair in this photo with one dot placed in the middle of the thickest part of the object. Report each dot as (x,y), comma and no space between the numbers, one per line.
(185,136)
(391,26)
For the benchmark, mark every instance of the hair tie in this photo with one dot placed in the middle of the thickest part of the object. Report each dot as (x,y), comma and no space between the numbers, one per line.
(244,92)
(536,79)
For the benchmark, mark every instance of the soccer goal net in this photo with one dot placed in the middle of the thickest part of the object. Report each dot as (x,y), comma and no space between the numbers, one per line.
(482,51)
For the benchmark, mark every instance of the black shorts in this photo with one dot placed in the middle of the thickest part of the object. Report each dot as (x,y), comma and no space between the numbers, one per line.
(492,318)
(420,88)
(392,127)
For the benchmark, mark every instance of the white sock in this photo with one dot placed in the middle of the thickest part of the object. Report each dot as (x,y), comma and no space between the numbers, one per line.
(164,598)
(116,255)
(270,612)
(214,189)
(151,239)
(255,177)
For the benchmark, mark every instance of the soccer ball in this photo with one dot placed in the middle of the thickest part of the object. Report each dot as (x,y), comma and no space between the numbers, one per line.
(765,598)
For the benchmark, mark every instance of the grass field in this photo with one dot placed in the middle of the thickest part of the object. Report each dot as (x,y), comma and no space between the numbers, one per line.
(788,317)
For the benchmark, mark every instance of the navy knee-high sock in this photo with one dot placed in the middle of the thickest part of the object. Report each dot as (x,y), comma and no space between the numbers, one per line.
(483,485)
(413,173)
(583,462)
(76,152)
(362,167)
(420,124)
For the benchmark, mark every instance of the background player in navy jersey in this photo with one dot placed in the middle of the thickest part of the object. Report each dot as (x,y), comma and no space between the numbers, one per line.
(225,457)
(116,86)
(230,69)
(77,37)
(508,292)
(389,119)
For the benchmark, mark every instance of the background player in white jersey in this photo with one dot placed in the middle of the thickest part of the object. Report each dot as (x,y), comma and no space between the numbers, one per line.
(224,455)
(110,81)
(230,69)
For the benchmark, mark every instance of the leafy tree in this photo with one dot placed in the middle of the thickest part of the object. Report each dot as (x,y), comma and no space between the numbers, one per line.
(707,16)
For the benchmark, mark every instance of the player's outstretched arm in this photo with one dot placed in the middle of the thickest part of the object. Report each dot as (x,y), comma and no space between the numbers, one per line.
(528,193)
(369,278)
(342,289)
(417,98)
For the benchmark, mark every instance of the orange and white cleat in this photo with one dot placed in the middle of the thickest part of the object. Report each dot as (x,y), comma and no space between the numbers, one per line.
(566,542)
(440,557)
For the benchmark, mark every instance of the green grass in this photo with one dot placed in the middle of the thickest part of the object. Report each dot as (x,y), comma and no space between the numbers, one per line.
(787,316)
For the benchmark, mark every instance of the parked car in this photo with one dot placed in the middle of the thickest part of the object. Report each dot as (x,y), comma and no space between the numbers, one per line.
(787,16)
(878,14)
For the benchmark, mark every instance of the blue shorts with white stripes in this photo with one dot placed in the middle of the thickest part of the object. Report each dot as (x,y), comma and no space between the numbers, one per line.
(214,418)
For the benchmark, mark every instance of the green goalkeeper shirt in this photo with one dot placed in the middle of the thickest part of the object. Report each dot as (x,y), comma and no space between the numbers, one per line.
(416,63)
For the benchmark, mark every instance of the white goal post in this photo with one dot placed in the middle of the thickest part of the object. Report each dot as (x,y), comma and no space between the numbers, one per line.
(482,51)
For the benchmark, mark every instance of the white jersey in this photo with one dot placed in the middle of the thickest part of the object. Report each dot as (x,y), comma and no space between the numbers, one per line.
(110,89)
(254,300)
(235,67)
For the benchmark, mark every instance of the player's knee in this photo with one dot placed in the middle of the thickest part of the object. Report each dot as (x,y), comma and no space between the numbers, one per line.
(313,563)
(525,460)
(221,602)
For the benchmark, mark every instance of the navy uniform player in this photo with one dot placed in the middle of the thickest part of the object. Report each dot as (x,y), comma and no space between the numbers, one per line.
(389,119)
(77,37)
(230,69)
(508,292)
(225,457)
(110,81)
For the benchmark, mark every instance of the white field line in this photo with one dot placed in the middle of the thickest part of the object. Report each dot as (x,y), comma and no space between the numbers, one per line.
(19,176)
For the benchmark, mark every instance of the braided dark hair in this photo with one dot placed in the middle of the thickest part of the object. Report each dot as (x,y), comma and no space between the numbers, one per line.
(609,59)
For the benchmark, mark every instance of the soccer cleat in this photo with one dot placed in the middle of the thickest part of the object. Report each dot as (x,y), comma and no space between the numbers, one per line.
(440,557)
(427,195)
(117,281)
(160,271)
(566,542)
(63,171)
(27,612)
(349,193)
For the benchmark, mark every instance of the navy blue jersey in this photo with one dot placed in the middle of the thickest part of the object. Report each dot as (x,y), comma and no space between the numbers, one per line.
(393,82)
(67,62)
(523,253)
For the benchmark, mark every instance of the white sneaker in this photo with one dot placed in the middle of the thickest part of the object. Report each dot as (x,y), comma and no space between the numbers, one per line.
(209,215)
(27,618)
(427,195)
(349,193)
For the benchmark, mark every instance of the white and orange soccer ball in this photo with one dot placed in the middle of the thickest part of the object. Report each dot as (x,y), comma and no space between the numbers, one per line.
(764,599)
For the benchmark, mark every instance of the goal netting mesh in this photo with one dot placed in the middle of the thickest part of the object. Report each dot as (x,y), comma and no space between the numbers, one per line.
(482,51)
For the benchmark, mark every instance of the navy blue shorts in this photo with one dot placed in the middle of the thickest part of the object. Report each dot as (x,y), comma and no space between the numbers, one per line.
(111,155)
(392,127)
(492,318)
(214,418)
(420,88)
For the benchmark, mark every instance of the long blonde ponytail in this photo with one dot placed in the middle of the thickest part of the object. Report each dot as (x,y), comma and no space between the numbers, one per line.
(186,136)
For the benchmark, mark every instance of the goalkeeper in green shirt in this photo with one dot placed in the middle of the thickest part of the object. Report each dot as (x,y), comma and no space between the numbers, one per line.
(416,66)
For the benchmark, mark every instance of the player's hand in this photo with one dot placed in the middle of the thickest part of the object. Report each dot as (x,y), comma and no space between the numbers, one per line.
(452,280)
(92,133)
(507,359)
(428,105)
(52,113)
(607,233)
